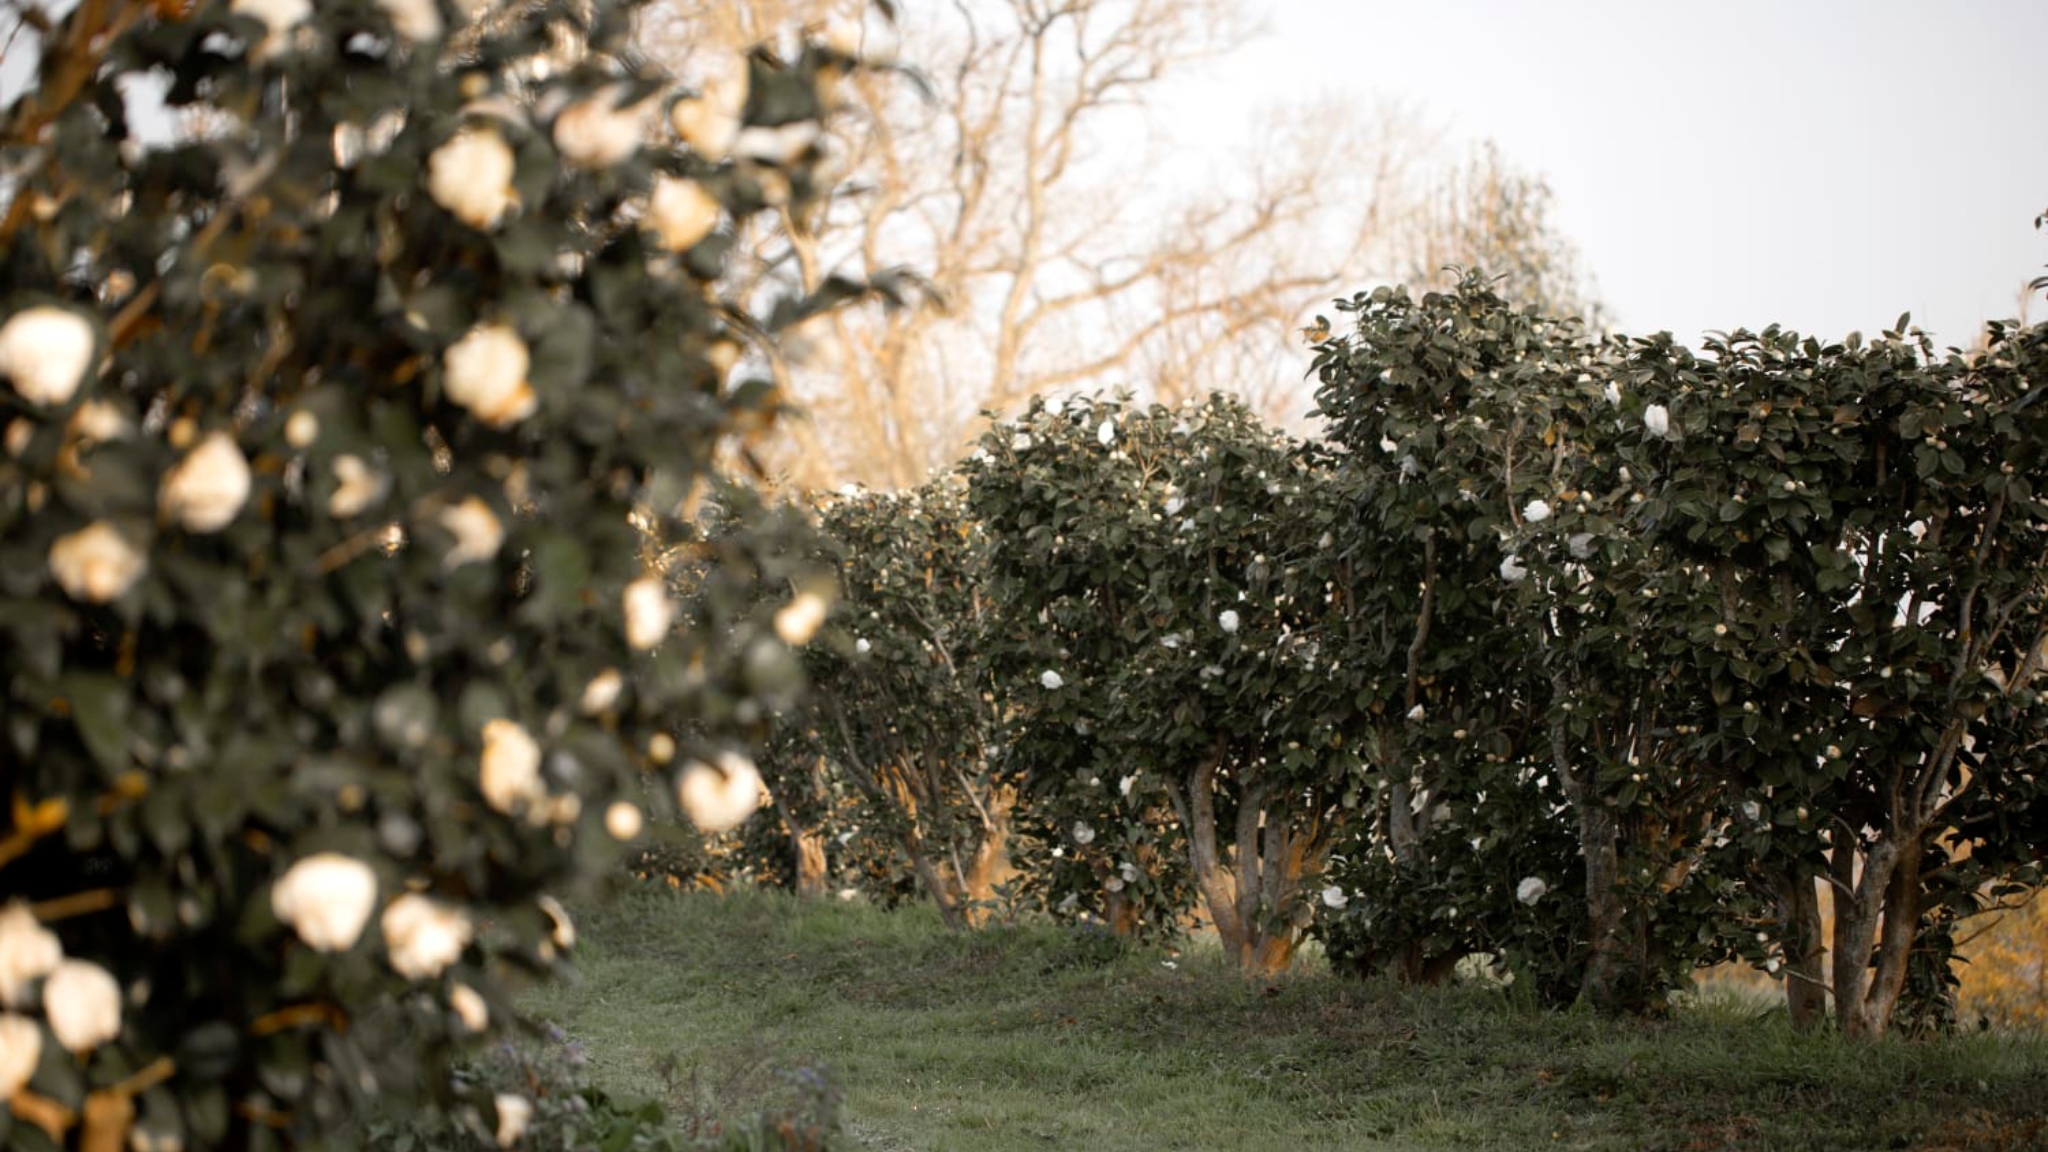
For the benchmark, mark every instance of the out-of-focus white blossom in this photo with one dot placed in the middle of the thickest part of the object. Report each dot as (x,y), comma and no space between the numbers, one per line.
(1511,569)
(471,177)
(510,766)
(301,428)
(680,212)
(1531,889)
(424,935)
(710,121)
(280,19)
(1020,442)
(514,1113)
(862,646)
(1417,713)
(208,487)
(416,20)
(485,372)
(721,797)
(561,929)
(47,351)
(1051,680)
(1536,511)
(1334,897)
(779,146)
(1084,833)
(1657,421)
(1105,432)
(28,952)
(598,132)
(21,1049)
(360,486)
(96,563)
(469,1007)
(82,1003)
(602,692)
(1612,392)
(648,611)
(799,620)
(326,898)
(622,819)
(476,529)
(1227,620)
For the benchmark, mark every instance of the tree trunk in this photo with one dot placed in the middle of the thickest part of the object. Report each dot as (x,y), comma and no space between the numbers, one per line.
(810,861)
(1806,993)
(1198,815)
(1859,907)
(1599,836)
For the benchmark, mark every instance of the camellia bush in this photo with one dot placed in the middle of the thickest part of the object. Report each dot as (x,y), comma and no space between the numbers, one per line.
(346,436)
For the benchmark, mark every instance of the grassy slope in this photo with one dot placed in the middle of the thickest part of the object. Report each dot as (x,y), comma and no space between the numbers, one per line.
(1038,1037)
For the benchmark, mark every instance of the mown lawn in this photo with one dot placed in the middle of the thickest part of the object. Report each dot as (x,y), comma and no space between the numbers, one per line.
(1040,1037)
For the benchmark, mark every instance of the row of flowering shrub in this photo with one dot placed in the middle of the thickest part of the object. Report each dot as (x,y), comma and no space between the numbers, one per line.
(1595,655)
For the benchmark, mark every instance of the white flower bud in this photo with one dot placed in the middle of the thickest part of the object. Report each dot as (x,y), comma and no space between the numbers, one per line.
(1052,680)
(800,619)
(485,372)
(301,428)
(1531,889)
(597,132)
(416,20)
(1334,897)
(720,798)
(623,820)
(1657,421)
(96,563)
(82,1003)
(360,487)
(510,767)
(680,212)
(1416,713)
(469,1007)
(514,1112)
(326,898)
(1105,432)
(862,646)
(649,612)
(476,530)
(471,177)
(1227,620)
(208,487)
(602,692)
(21,1049)
(28,952)
(1084,833)
(424,935)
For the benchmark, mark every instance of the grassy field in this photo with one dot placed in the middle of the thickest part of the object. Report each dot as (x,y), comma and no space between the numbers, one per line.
(1041,1037)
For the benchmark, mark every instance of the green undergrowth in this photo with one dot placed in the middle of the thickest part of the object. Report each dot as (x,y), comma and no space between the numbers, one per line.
(1039,1036)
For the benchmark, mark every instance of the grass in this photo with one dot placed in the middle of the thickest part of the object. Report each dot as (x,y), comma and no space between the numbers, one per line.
(1040,1037)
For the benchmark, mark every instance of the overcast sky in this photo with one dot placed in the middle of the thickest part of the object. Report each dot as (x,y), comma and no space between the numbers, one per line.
(1825,164)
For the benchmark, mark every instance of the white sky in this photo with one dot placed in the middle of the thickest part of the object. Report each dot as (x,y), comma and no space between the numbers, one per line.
(1824,164)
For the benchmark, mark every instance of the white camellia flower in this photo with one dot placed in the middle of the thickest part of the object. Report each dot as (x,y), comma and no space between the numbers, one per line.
(799,620)
(28,952)
(649,612)
(1417,713)
(1531,889)
(1581,544)
(1753,811)
(514,1113)
(485,372)
(1657,421)
(416,20)
(469,1007)
(602,692)
(1084,833)
(21,1049)
(1388,446)
(510,767)
(301,428)
(598,132)
(476,530)
(471,177)
(1052,680)
(680,212)
(1613,393)
(424,935)
(561,929)
(1105,433)
(710,121)
(360,487)
(47,352)
(1227,620)
(1536,511)
(96,563)
(1123,786)
(1334,897)
(623,820)
(326,898)
(1511,569)
(1020,442)
(82,1003)
(208,487)
(719,798)
(862,646)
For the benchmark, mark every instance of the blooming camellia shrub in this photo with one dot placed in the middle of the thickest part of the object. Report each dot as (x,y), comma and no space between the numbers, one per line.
(344,435)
